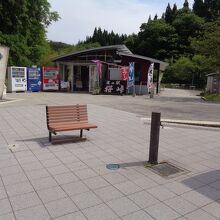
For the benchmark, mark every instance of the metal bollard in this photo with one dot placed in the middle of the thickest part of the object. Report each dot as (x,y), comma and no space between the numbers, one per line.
(154,138)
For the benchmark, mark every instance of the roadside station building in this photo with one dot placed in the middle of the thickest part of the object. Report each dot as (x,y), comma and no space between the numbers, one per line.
(83,71)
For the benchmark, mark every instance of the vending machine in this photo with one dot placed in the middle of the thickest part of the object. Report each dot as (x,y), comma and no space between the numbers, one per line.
(33,79)
(50,79)
(17,79)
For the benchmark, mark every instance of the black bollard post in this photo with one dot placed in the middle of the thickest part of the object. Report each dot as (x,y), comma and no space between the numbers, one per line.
(154,138)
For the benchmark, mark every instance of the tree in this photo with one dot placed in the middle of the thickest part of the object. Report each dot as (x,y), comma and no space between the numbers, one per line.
(168,14)
(199,8)
(186,4)
(212,9)
(23,29)
(190,71)
(187,25)
(157,39)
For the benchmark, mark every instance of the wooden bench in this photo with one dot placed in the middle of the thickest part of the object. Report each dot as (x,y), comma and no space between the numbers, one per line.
(67,118)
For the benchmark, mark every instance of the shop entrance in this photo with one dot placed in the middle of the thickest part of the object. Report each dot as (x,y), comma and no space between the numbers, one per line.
(81,78)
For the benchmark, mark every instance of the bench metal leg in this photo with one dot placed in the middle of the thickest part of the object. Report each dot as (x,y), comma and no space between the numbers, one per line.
(50,136)
(81,133)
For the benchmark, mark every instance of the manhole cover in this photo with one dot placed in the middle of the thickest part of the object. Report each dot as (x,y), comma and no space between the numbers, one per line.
(112,166)
(167,170)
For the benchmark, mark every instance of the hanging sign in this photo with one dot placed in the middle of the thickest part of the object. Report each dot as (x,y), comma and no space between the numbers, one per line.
(131,75)
(124,73)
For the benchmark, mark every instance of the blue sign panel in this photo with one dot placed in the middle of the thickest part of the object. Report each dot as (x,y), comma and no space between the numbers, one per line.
(34,79)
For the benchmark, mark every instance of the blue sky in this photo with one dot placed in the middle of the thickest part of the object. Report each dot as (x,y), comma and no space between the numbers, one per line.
(79,18)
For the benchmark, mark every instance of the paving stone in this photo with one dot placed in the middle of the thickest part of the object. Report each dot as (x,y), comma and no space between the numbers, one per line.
(127,187)
(2,193)
(115,178)
(43,183)
(74,216)
(139,215)
(19,188)
(14,178)
(99,212)
(61,207)
(5,206)
(108,193)
(32,166)
(86,200)
(96,182)
(51,162)
(143,199)
(199,214)
(75,188)
(161,193)
(180,205)
(33,213)
(10,170)
(177,188)
(25,201)
(123,206)
(37,174)
(51,194)
(86,173)
(196,198)
(58,169)
(9,216)
(66,178)
(213,209)
(162,212)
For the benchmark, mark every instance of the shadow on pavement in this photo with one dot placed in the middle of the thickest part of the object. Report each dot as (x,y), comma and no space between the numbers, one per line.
(207,184)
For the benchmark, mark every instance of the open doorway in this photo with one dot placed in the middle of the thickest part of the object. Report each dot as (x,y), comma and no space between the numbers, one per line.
(81,78)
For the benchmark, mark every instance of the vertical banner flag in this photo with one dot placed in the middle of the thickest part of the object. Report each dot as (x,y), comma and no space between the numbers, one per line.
(131,75)
(99,67)
(150,77)
(124,73)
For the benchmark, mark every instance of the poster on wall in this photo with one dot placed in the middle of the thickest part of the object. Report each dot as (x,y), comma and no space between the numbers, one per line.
(115,87)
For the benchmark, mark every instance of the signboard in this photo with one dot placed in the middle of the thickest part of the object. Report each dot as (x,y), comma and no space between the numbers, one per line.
(115,87)
(131,75)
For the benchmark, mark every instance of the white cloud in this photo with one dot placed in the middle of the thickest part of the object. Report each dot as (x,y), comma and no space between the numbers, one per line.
(79,18)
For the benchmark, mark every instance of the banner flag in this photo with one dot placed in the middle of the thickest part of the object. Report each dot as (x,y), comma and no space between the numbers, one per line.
(124,73)
(131,75)
(150,77)
(99,67)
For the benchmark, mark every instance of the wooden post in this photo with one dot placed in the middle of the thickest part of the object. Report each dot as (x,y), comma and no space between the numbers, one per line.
(154,138)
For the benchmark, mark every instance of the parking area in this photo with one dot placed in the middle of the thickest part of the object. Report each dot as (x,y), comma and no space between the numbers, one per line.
(70,181)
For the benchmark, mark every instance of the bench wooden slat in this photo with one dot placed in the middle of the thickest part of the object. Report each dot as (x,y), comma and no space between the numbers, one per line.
(66,118)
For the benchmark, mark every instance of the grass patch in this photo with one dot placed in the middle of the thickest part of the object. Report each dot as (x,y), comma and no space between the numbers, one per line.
(213,97)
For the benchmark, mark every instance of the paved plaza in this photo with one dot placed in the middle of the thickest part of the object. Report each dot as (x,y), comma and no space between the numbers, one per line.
(40,181)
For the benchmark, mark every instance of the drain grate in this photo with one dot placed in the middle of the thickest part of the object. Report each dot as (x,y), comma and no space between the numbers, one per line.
(112,166)
(167,169)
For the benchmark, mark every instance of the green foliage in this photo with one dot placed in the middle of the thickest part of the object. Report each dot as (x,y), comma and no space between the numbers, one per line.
(190,71)
(209,43)
(23,29)
(212,97)
(157,39)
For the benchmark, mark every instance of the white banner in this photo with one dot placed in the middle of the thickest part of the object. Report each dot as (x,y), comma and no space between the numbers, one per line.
(150,77)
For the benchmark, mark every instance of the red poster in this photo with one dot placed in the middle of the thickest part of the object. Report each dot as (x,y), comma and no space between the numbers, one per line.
(124,73)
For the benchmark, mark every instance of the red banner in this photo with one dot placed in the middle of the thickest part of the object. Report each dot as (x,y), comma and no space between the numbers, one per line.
(124,73)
